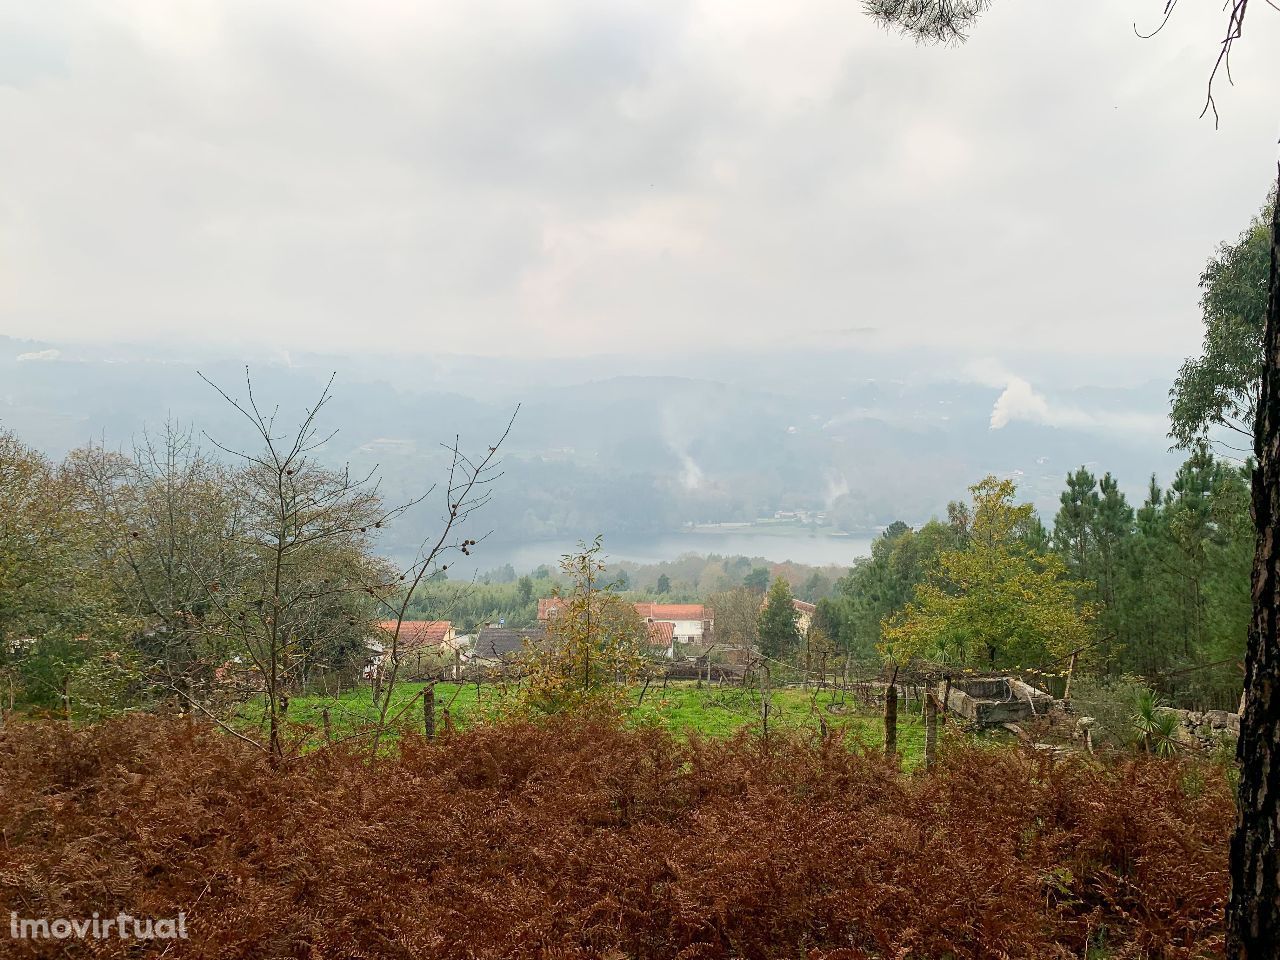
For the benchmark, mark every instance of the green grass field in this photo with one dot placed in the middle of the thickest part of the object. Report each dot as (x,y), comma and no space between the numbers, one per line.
(681,708)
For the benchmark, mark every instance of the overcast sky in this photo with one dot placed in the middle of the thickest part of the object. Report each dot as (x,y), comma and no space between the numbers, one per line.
(576,177)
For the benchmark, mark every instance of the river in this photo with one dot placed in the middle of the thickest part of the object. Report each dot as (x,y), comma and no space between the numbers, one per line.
(775,547)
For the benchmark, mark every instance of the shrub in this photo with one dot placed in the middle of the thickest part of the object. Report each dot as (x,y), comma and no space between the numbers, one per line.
(577,838)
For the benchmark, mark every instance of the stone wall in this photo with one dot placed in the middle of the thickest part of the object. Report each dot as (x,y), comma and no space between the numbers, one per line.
(1207,729)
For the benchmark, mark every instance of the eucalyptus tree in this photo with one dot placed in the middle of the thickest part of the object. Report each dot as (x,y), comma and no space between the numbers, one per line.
(1215,395)
(1253,913)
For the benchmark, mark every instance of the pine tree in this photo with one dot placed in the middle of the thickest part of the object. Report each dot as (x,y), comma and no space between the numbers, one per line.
(779,635)
(757,580)
(1073,525)
(1112,525)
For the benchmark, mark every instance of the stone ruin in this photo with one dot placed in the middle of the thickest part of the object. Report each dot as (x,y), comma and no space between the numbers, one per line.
(1004,701)
(1207,729)
(994,701)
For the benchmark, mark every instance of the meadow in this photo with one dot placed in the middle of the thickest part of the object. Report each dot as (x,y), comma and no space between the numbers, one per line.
(682,708)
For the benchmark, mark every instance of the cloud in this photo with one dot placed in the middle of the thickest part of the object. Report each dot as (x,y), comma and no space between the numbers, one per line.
(987,371)
(39,355)
(852,331)
(606,177)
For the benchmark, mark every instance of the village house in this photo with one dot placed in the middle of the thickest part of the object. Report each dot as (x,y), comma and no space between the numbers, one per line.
(670,624)
(691,623)
(424,647)
(498,646)
(804,615)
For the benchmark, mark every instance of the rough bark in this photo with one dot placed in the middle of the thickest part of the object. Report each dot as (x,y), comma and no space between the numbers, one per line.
(1253,913)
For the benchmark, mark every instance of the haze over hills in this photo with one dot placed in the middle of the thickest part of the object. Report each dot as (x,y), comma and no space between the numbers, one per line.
(635,447)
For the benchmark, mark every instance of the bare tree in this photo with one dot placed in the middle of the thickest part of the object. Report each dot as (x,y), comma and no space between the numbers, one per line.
(164,523)
(303,547)
(305,576)
(466,490)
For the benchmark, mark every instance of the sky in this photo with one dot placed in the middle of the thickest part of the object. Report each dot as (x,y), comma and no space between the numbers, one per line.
(568,177)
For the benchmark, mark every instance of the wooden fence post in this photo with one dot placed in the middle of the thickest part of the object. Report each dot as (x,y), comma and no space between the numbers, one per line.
(6,707)
(891,716)
(930,731)
(429,710)
(765,700)
(1071,669)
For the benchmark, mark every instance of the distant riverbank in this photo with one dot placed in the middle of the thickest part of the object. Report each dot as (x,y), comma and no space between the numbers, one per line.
(774,544)
(772,528)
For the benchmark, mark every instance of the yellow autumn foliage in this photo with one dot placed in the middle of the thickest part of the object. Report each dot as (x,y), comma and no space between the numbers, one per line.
(995,603)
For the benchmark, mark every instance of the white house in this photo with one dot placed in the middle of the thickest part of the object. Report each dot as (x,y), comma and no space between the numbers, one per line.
(689,623)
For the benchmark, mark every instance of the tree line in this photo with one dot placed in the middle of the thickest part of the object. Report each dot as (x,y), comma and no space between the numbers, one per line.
(165,574)
(1157,590)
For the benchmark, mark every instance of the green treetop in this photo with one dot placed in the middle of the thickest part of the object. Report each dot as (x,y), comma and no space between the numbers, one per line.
(995,602)
(779,635)
(1217,390)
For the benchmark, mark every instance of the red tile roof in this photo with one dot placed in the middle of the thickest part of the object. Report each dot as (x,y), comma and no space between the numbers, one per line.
(804,607)
(661,633)
(672,611)
(549,606)
(418,633)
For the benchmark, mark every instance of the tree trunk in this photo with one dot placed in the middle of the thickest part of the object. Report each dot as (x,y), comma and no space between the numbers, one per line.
(274,745)
(1253,913)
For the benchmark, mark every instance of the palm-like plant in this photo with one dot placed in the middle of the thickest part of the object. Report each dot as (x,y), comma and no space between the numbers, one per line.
(1154,725)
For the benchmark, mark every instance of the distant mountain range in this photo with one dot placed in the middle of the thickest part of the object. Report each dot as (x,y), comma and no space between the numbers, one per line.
(631,446)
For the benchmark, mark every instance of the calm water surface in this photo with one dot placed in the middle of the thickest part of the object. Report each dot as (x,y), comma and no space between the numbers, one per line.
(776,548)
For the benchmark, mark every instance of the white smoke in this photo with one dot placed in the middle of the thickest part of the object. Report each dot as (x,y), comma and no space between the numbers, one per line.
(678,435)
(690,473)
(837,487)
(1020,401)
